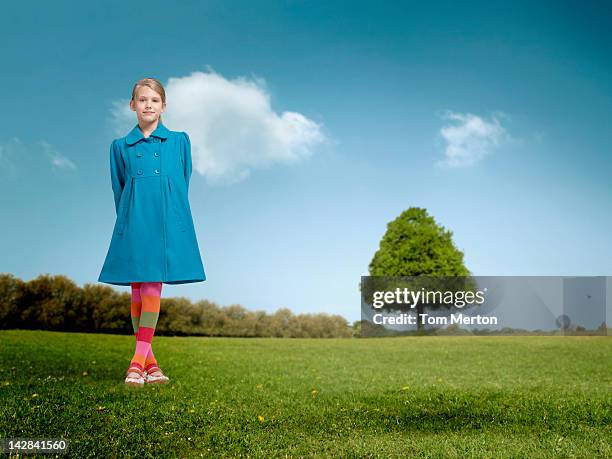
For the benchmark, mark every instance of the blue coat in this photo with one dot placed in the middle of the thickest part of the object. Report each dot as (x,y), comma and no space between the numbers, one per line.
(153,239)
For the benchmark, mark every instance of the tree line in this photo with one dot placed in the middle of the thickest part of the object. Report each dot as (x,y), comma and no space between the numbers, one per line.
(55,302)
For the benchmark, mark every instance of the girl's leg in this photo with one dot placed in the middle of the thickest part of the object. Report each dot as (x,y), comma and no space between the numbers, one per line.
(136,306)
(150,359)
(150,296)
(135,314)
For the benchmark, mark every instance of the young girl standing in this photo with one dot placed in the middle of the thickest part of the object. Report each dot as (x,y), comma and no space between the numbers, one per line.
(154,240)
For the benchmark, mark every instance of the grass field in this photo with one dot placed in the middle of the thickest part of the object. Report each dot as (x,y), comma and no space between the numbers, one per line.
(258,397)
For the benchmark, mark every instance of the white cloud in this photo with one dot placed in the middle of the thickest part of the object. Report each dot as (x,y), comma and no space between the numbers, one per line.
(470,138)
(231,124)
(56,159)
(17,157)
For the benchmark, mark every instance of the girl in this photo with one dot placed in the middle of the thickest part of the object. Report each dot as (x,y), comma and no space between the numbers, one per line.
(154,240)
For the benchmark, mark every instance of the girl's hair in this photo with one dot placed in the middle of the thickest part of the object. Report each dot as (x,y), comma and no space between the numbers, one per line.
(155,85)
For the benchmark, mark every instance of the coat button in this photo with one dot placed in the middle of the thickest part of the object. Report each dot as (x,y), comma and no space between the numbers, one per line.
(157,153)
(157,171)
(139,171)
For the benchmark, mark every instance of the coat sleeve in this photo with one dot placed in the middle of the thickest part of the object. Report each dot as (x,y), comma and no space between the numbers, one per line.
(187,165)
(117,173)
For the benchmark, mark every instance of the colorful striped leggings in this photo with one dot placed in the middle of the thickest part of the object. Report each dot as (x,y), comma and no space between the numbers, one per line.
(146,299)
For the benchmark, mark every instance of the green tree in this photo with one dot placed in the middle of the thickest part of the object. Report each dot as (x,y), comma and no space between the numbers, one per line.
(54,303)
(11,291)
(415,245)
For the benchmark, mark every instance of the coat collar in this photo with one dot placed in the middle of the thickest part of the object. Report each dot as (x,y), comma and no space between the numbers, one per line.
(135,134)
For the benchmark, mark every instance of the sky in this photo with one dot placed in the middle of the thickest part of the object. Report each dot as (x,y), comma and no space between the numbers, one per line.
(313,125)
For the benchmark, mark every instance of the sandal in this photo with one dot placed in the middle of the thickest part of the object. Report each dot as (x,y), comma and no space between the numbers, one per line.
(154,375)
(135,377)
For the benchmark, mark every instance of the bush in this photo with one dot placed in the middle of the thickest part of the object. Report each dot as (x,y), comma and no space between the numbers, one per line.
(57,303)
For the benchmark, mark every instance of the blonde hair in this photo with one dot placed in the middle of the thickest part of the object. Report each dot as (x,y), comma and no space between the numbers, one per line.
(155,85)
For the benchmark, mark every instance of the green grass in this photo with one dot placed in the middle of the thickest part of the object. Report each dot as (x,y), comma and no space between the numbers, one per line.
(387,397)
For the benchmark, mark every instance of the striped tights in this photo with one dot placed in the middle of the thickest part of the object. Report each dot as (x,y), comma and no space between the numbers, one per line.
(146,298)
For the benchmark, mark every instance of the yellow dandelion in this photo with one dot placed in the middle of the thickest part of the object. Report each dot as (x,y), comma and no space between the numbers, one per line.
(260,418)
(34,395)
(314,392)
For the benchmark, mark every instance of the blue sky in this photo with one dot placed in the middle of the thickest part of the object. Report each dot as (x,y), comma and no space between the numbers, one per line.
(314,124)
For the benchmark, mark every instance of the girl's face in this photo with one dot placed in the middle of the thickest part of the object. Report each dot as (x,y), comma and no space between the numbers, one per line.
(147,104)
